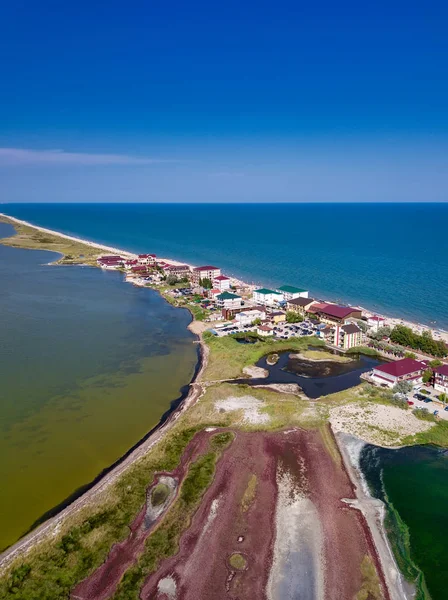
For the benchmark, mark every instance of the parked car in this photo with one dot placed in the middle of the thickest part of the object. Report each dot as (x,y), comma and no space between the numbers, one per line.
(410,403)
(435,413)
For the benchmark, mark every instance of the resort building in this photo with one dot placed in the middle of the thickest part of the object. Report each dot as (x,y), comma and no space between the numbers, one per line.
(267,297)
(228,301)
(130,263)
(278,316)
(139,270)
(222,283)
(205,272)
(300,305)
(146,259)
(289,292)
(265,330)
(342,336)
(334,314)
(110,262)
(441,379)
(247,317)
(213,294)
(178,270)
(406,369)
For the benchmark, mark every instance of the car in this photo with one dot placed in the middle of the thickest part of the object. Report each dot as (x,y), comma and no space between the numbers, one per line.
(436,412)
(426,400)
(446,408)
(410,403)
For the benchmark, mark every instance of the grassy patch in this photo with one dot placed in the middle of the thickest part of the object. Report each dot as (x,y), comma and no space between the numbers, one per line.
(159,494)
(323,355)
(330,444)
(370,587)
(237,561)
(228,357)
(249,493)
(219,441)
(73,252)
(363,350)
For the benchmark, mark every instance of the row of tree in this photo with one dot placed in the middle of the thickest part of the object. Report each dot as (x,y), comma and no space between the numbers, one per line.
(425,342)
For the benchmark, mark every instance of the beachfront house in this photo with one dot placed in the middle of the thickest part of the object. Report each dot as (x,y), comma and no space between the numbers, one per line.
(406,369)
(247,317)
(267,297)
(334,314)
(222,283)
(375,322)
(228,300)
(265,330)
(110,262)
(300,305)
(205,272)
(146,259)
(289,292)
(441,379)
(179,271)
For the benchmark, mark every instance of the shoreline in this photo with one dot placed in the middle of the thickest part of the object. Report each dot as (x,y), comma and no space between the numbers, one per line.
(437,332)
(373,511)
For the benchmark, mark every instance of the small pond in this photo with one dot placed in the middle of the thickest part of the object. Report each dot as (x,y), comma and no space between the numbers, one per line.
(316,378)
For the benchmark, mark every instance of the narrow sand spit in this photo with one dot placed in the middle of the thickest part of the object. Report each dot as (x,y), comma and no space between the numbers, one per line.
(250,406)
(376,423)
(297,569)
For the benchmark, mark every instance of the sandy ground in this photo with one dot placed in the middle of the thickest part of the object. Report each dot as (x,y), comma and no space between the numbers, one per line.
(376,424)
(256,372)
(249,405)
(297,536)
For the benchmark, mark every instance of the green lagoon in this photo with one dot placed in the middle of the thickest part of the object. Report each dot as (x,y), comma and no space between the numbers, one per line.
(413,482)
(88,365)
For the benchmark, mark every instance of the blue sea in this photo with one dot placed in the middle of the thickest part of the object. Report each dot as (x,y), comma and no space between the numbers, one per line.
(390,258)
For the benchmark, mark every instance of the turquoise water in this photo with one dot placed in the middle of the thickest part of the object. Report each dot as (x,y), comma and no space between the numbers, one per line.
(388,257)
(88,365)
(414,481)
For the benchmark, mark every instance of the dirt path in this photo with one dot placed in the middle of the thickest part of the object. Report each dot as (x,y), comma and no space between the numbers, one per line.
(51,527)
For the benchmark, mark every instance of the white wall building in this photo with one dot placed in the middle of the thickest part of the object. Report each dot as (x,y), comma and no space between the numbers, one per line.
(290,292)
(222,283)
(228,301)
(267,297)
(247,317)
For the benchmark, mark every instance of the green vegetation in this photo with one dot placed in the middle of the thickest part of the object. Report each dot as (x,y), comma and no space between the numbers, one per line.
(381,333)
(221,440)
(228,357)
(293,317)
(370,587)
(159,494)
(402,387)
(206,283)
(427,376)
(237,561)
(323,355)
(29,237)
(363,350)
(410,355)
(406,337)
(249,493)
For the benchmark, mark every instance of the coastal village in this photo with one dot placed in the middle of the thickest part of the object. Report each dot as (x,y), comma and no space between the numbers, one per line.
(229,306)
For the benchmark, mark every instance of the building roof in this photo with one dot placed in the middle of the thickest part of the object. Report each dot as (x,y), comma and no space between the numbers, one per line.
(221,278)
(376,318)
(206,268)
(264,327)
(214,291)
(227,296)
(442,370)
(351,328)
(318,306)
(337,311)
(405,366)
(289,289)
(146,255)
(265,292)
(277,313)
(301,301)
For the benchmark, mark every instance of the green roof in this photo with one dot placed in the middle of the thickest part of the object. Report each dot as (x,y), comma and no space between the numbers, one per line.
(266,291)
(227,296)
(291,289)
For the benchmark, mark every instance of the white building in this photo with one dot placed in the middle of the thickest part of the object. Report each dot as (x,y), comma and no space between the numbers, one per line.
(228,301)
(290,292)
(205,272)
(222,283)
(266,297)
(441,379)
(265,330)
(406,369)
(375,322)
(247,317)
(146,259)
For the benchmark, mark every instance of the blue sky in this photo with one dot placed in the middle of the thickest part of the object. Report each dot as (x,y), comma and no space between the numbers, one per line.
(236,101)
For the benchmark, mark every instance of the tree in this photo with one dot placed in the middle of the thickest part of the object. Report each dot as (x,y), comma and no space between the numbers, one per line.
(293,317)
(171,279)
(410,355)
(256,322)
(206,283)
(435,363)
(402,387)
(443,398)
(427,376)
(382,332)
(362,325)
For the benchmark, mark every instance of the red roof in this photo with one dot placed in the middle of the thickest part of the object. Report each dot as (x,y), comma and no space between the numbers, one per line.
(215,292)
(334,310)
(146,255)
(376,318)
(142,268)
(206,268)
(442,370)
(405,366)
(316,307)
(222,278)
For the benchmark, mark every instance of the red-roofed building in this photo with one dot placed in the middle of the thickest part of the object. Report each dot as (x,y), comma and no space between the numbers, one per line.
(110,262)
(179,270)
(146,259)
(222,283)
(205,272)
(139,270)
(406,369)
(441,379)
(335,314)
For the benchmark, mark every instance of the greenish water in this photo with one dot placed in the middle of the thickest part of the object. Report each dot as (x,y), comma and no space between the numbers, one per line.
(87,366)
(414,484)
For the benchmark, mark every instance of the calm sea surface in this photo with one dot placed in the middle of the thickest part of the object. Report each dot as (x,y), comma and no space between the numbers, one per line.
(388,257)
(414,481)
(88,365)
